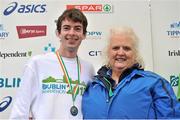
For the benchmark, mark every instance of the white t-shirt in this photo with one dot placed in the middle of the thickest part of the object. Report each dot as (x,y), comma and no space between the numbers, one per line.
(43,91)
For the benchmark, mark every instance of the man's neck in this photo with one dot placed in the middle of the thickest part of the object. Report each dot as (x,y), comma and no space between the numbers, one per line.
(68,54)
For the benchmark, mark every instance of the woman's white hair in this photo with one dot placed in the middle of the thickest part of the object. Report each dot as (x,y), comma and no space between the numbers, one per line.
(129,32)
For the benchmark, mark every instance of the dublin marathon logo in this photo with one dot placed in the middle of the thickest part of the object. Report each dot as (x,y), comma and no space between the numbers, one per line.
(52,85)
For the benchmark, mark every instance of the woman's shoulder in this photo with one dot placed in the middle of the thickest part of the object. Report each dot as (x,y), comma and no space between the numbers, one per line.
(151,78)
(151,74)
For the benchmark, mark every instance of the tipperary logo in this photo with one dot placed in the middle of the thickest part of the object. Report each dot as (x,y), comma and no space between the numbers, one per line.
(5,103)
(52,85)
(175,25)
(3,33)
(174,31)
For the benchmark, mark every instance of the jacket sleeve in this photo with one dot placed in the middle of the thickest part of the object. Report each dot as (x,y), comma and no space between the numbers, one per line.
(165,101)
(25,95)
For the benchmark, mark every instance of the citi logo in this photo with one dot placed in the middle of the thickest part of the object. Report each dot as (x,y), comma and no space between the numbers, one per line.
(98,8)
(29,8)
(95,53)
(31,31)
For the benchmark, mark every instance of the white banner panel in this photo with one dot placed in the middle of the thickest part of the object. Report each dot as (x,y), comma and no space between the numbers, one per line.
(166,39)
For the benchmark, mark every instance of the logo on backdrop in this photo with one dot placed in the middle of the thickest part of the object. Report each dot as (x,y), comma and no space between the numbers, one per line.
(6,101)
(174,31)
(29,8)
(174,80)
(49,48)
(97,8)
(174,52)
(16,54)
(94,53)
(10,82)
(93,35)
(31,31)
(3,33)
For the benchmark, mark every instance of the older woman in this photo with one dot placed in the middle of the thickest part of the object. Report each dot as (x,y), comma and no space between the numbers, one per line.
(123,89)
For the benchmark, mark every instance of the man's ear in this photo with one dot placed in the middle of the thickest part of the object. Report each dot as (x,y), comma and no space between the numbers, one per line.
(84,36)
(57,33)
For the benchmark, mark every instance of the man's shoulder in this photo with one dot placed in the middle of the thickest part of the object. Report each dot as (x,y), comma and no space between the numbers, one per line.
(83,61)
(44,56)
(40,58)
(87,65)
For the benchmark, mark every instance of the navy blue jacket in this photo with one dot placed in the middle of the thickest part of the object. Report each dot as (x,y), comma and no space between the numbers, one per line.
(139,95)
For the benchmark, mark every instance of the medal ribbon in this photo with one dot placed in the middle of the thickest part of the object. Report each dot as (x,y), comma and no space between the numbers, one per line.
(74,91)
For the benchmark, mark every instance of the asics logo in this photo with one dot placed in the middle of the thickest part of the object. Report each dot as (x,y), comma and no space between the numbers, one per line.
(5,103)
(30,8)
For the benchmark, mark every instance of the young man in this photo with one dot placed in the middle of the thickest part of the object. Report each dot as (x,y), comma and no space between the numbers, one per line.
(53,84)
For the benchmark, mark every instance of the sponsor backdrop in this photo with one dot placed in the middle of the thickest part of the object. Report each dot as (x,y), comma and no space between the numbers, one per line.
(27,28)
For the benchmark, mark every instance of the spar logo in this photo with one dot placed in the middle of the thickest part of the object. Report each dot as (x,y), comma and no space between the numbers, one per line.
(174,31)
(97,8)
(31,31)
(6,101)
(28,8)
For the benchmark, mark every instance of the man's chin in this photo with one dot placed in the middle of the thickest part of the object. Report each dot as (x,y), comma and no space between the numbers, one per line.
(72,49)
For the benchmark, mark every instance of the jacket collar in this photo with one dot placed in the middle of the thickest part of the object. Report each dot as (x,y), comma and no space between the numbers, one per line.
(104,74)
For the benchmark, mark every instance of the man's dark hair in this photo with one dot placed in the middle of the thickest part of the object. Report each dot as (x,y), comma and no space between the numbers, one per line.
(75,15)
